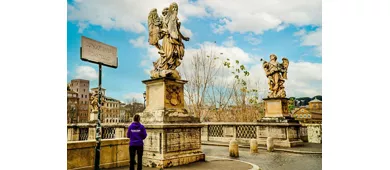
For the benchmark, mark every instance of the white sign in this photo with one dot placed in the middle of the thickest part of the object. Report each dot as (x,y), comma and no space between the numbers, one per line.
(97,52)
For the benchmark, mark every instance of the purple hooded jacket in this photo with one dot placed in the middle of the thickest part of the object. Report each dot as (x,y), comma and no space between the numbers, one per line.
(137,134)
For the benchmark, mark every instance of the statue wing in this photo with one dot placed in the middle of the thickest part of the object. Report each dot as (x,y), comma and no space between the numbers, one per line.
(285,64)
(172,26)
(153,26)
(266,67)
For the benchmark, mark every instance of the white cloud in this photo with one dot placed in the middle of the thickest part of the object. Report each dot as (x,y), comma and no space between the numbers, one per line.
(300,32)
(86,72)
(129,97)
(281,27)
(140,42)
(313,38)
(252,40)
(186,32)
(304,78)
(128,15)
(229,42)
(261,15)
(82,26)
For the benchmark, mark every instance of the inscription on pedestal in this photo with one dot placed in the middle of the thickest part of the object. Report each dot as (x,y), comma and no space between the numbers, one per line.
(182,140)
(292,133)
(274,109)
(152,141)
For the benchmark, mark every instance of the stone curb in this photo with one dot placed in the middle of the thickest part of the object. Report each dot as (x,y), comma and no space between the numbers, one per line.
(264,148)
(254,166)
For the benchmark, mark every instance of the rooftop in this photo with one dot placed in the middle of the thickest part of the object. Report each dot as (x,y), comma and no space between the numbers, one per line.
(315,100)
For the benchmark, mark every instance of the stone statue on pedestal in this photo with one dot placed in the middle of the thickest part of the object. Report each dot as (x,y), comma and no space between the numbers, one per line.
(276,74)
(174,135)
(93,100)
(167,28)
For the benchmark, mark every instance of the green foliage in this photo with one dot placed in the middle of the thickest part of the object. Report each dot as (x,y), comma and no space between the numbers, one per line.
(239,74)
(291,104)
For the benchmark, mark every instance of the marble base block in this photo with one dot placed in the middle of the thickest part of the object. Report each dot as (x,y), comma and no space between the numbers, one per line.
(278,124)
(174,136)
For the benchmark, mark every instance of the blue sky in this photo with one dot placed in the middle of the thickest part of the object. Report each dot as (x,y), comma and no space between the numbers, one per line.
(247,30)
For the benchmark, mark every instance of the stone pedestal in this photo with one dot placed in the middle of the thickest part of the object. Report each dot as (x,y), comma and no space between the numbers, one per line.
(276,107)
(278,124)
(93,116)
(174,136)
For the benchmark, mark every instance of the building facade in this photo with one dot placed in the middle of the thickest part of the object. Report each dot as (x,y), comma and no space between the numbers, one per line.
(72,106)
(312,113)
(81,87)
(122,113)
(111,110)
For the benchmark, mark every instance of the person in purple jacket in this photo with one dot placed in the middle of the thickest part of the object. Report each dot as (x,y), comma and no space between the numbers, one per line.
(137,134)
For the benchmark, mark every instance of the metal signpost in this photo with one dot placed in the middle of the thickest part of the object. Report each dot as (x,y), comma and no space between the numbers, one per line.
(102,54)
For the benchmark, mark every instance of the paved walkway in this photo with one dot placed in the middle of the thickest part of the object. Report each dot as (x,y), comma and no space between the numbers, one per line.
(216,156)
(211,163)
(277,160)
(306,148)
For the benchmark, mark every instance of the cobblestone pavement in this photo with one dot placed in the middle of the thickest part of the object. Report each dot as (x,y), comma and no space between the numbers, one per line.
(277,160)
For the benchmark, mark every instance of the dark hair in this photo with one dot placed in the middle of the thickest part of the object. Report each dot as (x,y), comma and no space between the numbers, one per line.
(136,118)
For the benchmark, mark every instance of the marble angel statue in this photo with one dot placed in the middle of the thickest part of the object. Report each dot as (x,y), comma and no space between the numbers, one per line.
(167,28)
(277,75)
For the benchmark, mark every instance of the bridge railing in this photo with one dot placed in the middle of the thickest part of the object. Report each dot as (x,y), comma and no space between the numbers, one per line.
(243,132)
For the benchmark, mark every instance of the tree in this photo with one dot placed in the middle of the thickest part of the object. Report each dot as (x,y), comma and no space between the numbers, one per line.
(200,75)
(291,104)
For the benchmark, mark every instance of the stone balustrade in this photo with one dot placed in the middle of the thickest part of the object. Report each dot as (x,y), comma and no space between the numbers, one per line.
(243,132)
(86,131)
(114,153)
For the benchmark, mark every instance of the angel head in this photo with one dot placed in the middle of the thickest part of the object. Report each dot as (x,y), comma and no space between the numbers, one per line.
(173,7)
(165,11)
(273,57)
(285,62)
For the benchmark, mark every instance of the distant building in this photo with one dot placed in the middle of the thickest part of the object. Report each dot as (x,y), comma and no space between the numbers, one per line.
(72,105)
(81,87)
(311,113)
(122,112)
(111,110)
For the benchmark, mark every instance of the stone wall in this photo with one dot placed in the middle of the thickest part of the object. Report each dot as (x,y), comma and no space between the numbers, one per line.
(114,153)
(314,133)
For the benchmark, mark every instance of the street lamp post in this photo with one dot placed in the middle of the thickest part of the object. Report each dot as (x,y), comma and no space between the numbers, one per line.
(144,99)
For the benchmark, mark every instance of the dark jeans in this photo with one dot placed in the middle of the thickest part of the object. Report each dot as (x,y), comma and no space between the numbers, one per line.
(140,151)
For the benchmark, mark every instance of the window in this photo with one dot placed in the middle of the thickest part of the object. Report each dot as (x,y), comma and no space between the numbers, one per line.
(77,90)
(84,90)
(82,96)
(304,115)
(308,116)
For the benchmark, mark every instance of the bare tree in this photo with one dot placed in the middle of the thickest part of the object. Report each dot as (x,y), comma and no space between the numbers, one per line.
(200,76)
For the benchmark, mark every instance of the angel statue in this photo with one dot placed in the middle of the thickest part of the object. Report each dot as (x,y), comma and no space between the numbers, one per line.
(277,75)
(94,101)
(167,28)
